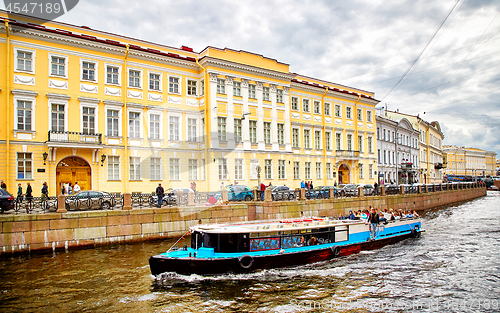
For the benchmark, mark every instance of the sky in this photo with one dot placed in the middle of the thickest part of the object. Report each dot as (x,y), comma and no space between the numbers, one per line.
(437,59)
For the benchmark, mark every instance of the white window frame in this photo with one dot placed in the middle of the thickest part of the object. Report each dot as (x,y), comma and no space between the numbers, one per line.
(119,67)
(141,77)
(66,117)
(179,117)
(250,131)
(268,169)
(307,170)
(328,144)
(267,132)
(279,96)
(307,141)
(348,112)
(31,99)
(136,169)
(281,169)
(155,112)
(338,147)
(319,170)
(96,71)
(239,169)
(238,130)
(296,170)
(160,83)
(152,171)
(266,93)
(179,82)
(304,101)
(298,137)
(329,170)
(222,128)
(196,137)
(329,106)
(369,116)
(33,57)
(237,87)
(317,140)
(193,168)
(252,91)
(359,114)
(107,108)
(196,88)
(24,166)
(141,126)
(295,102)
(174,168)
(222,168)
(94,106)
(317,107)
(66,58)
(338,110)
(114,168)
(281,133)
(221,86)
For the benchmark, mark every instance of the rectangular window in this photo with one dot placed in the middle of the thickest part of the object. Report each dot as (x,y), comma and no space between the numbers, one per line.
(191,85)
(57,117)
(221,86)
(360,114)
(154,126)
(282,169)
(317,107)
(370,171)
(348,113)
(267,132)
(338,110)
(338,141)
(112,75)
(175,168)
(281,134)
(251,91)
(265,94)
(24,61)
(383,132)
(360,143)
(237,89)
(253,131)
(192,129)
(24,113)
(202,87)
(174,128)
(295,103)
(154,81)
(222,169)
(307,170)
(379,157)
(370,145)
(296,170)
(361,175)
(295,138)
(88,71)
(305,105)
(268,169)
(24,166)
(113,168)
(135,168)
(193,169)
(378,133)
(134,125)
(88,120)
(155,168)
(328,170)
(317,140)
(112,123)
(221,128)
(237,130)
(202,174)
(238,169)
(307,139)
(318,170)
(279,95)
(327,109)
(369,117)
(173,84)
(134,78)
(328,145)
(385,157)
(349,142)
(58,66)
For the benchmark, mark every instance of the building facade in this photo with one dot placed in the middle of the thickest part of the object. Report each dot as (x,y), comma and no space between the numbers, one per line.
(431,160)
(398,151)
(122,115)
(474,162)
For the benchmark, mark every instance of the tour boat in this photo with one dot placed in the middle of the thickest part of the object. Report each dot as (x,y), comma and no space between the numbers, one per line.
(251,246)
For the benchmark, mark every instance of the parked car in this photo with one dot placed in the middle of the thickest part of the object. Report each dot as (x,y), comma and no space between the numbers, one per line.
(169,198)
(6,200)
(234,193)
(368,189)
(320,192)
(88,199)
(348,190)
(280,193)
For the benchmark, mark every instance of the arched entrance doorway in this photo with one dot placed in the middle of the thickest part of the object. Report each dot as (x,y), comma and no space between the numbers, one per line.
(344,174)
(72,170)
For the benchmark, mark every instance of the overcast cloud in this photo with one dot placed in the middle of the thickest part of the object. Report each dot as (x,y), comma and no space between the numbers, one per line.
(366,44)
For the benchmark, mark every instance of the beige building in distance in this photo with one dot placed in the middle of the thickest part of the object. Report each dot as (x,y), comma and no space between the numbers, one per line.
(469,161)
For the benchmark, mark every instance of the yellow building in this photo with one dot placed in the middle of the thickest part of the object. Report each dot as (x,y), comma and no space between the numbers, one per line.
(122,115)
(430,145)
(469,161)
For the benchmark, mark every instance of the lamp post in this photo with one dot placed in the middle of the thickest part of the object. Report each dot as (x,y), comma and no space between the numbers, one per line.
(103,158)
(45,155)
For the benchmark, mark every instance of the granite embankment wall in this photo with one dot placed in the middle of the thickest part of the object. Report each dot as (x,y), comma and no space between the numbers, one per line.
(25,233)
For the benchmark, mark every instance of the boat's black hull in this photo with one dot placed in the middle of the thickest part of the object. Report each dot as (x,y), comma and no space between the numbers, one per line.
(215,266)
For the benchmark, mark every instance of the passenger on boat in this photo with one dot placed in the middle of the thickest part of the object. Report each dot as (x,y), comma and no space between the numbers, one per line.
(364,216)
(381,216)
(351,216)
(341,217)
(397,216)
(373,220)
(387,215)
(302,242)
(312,242)
(415,214)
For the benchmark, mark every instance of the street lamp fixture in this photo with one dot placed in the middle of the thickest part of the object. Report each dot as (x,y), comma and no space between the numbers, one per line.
(103,158)
(243,117)
(45,156)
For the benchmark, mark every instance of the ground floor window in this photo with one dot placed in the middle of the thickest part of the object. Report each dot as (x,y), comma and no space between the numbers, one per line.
(24,166)
(113,168)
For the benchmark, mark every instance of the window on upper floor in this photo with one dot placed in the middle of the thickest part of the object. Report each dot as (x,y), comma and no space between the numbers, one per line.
(192,129)
(89,70)
(173,125)
(58,66)
(112,75)
(307,139)
(112,122)
(154,126)
(221,128)
(173,85)
(237,130)
(360,115)
(369,117)
(360,143)
(370,144)
(338,141)
(191,87)
(58,116)
(202,87)
(253,131)
(305,106)
(155,81)
(328,145)
(88,119)
(252,91)
(134,124)
(266,96)
(267,132)
(281,134)
(279,95)
(338,110)
(24,115)
(237,89)
(327,109)
(25,61)
(295,103)
(349,142)
(317,107)
(348,113)
(134,78)
(221,86)
(317,140)
(295,138)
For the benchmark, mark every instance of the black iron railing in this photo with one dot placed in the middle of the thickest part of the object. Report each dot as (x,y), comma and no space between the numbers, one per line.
(73,137)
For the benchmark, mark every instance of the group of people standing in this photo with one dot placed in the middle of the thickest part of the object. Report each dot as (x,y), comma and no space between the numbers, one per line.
(69,188)
(307,184)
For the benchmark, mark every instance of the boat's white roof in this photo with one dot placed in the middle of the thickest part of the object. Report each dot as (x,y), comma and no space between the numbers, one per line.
(272,226)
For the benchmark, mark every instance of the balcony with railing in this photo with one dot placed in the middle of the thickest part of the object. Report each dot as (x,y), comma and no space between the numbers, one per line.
(348,154)
(55,137)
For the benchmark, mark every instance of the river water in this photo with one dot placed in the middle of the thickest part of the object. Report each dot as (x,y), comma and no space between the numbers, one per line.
(453,267)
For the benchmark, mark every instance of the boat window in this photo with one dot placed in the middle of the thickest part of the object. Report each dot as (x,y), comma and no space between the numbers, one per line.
(227,243)
(262,244)
(341,233)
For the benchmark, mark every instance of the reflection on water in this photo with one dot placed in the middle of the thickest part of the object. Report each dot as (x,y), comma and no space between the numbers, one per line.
(455,267)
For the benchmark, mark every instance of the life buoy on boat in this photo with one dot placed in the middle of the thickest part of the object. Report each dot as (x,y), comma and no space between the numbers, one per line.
(335,251)
(415,231)
(246,261)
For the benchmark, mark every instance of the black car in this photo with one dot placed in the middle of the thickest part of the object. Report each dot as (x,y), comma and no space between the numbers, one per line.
(6,200)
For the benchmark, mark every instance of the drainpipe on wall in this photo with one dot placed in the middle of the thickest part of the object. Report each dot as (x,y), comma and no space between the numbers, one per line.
(356,133)
(324,135)
(207,133)
(7,96)
(125,119)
